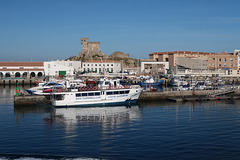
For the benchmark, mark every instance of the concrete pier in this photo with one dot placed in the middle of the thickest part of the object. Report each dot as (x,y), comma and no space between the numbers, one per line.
(148,96)
(30,100)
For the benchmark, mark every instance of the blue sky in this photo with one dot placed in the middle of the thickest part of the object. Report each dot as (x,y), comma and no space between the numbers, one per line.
(42,30)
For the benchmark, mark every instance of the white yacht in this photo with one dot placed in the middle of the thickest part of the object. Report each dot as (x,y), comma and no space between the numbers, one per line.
(108,92)
(39,90)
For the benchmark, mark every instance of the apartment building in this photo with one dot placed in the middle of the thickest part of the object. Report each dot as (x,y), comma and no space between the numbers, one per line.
(223,60)
(171,57)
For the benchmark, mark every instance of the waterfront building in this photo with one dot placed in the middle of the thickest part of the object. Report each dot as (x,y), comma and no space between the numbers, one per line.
(154,67)
(171,57)
(188,62)
(20,70)
(237,52)
(102,66)
(62,68)
(130,70)
(224,61)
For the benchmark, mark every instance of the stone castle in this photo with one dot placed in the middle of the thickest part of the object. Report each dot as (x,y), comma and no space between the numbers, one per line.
(91,51)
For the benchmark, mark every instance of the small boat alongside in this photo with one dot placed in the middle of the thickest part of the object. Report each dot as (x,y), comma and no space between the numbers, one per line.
(39,90)
(150,82)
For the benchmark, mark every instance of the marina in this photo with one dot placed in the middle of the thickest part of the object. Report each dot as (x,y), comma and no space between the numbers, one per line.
(166,129)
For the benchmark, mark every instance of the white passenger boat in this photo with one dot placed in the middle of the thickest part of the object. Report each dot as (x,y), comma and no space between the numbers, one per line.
(108,92)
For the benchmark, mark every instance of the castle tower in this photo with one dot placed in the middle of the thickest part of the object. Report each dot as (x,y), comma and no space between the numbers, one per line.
(90,50)
(84,42)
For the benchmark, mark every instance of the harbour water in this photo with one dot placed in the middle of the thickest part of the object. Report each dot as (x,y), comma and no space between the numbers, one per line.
(149,130)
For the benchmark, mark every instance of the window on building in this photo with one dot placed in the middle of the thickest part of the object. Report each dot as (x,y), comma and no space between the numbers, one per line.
(213,65)
(214,59)
(88,65)
(225,65)
(107,64)
(219,65)
(99,64)
(111,64)
(225,59)
(95,64)
(231,59)
(209,64)
(231,64)
(220,59)
(210,59)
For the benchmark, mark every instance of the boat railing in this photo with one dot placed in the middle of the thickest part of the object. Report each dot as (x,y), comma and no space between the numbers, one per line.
(91,88)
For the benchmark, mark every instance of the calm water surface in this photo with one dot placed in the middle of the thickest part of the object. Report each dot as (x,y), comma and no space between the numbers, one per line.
(150,130)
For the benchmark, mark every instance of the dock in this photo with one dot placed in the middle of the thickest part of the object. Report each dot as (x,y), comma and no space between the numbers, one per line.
(175,96)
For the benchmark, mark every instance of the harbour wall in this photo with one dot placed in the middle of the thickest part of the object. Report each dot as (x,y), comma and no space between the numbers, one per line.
(145,96)
(14,81)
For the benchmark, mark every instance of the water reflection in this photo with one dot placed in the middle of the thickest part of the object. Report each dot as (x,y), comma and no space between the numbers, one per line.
(101,115)
(110,116)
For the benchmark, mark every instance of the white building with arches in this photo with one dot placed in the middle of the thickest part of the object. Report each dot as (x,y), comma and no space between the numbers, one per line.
(18,70)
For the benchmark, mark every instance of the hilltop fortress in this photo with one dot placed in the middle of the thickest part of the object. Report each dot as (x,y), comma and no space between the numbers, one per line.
(91,51)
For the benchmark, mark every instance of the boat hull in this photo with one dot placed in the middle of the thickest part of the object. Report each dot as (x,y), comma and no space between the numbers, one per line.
(127,103)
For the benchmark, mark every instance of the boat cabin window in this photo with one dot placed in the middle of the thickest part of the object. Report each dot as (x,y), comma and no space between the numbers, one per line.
(107,83)
(109,93)
(97,93)
(118,92)
(87,94)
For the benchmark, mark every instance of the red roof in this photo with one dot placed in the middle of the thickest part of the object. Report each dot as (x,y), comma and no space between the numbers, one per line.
(37,69)
(21,64)
(180,52)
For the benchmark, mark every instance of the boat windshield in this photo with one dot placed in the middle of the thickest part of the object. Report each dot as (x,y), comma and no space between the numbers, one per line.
(59,96)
